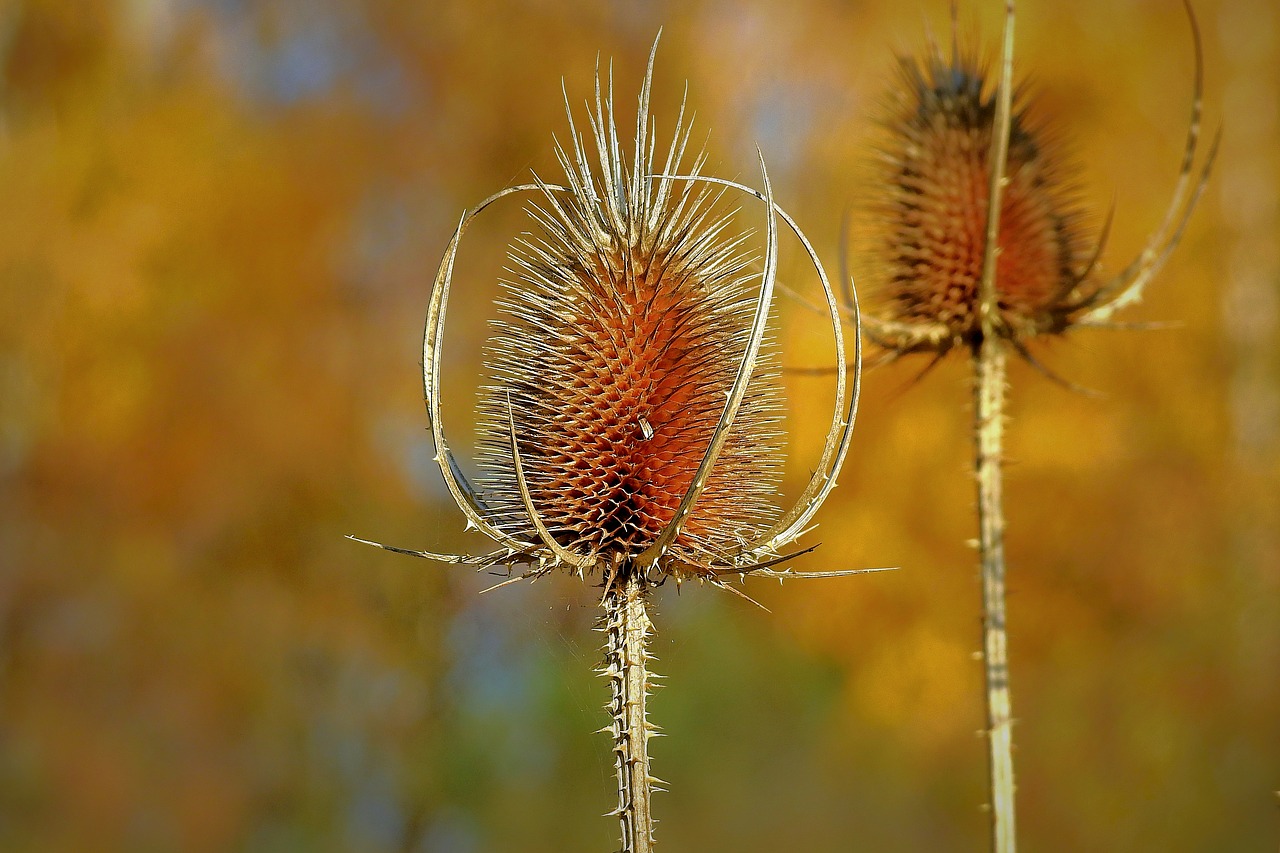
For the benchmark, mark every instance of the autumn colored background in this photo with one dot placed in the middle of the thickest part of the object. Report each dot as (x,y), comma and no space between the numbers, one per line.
(218,225)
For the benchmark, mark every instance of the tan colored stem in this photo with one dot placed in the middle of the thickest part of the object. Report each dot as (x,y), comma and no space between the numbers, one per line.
(988,430)
(627,628)
(989,390)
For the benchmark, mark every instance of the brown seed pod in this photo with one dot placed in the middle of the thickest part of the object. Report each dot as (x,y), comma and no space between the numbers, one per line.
(616,361)
(937,172)
(927,231)
(630,422)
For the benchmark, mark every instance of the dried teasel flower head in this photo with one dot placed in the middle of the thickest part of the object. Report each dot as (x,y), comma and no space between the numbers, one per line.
(947,129)
(630,425)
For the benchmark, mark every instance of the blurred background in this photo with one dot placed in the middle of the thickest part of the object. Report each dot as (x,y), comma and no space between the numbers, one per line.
(218,227)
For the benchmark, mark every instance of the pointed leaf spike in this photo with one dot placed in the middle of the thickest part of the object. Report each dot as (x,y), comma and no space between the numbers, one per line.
(485,559)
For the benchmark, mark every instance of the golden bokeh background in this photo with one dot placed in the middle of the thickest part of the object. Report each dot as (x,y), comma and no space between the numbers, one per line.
(220,221)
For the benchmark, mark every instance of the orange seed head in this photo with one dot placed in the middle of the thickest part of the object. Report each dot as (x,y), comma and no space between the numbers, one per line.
(625,317)
(931,218)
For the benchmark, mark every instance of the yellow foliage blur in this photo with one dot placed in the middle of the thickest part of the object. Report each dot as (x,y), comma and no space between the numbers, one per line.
(219,220)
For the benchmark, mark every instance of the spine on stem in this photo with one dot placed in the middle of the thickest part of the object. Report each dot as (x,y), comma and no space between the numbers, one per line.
(627,628)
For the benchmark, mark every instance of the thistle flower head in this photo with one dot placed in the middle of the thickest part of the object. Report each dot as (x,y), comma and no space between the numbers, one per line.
(938,169)
(630,423)
(944,135)
(622,333)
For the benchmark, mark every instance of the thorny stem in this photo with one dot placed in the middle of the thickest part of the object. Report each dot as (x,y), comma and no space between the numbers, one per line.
(989,389)
(988,429)
(627,627)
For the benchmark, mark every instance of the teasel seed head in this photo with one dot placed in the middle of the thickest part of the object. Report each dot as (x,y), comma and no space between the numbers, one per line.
(631,420)
(620,339)
(926,231)
(937,171)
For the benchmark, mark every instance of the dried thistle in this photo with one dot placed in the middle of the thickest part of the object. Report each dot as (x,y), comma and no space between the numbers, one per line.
(983,247)
(630,424)
(948,152)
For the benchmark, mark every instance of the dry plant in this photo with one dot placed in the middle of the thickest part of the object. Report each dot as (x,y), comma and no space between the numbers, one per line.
(982,246)
(630,423)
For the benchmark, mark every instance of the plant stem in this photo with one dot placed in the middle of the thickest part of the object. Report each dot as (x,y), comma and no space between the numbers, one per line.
(989,390)
(988,432)
(627,627)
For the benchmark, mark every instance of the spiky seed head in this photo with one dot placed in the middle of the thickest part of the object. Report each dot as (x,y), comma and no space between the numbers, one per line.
(626,313)
(631,421)
(931,212)
(936,178)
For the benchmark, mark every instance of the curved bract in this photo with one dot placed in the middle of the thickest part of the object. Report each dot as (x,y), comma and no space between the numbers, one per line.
(1126,287)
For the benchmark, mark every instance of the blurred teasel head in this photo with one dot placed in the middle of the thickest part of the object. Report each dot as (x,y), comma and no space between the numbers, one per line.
(943,135)
(631,420)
